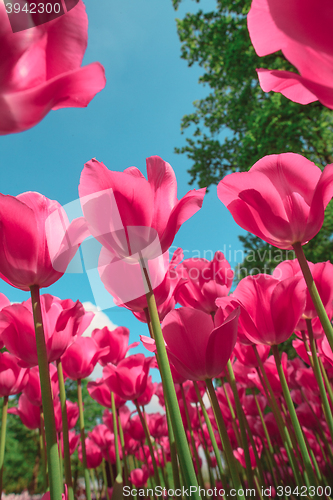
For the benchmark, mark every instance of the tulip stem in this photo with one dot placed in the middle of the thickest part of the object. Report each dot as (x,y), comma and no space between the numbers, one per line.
(150,446)
(105,480)
(115,432)
(83,440)
(3,438)
(183,450)
(122,443)
(210,429)
(67,459)
(48,410)
(317,372)
(173,452)
(324,319)
(309,477)
(225,440)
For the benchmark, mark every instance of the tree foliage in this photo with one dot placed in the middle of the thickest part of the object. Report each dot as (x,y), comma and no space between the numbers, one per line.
(238,123)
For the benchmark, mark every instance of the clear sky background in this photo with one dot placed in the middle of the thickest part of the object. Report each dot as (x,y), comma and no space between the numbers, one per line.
(149,89)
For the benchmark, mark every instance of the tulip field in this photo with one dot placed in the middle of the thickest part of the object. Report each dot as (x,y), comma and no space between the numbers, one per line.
(242,369)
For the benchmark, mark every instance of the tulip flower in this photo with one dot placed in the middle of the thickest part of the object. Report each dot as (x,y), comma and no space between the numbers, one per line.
(100,392)
(302,31)
(41,69)
(203,281)
(129,378)
(73,440)
(281,199)
(266,315)
(33,390)
(116,340)
(63,321)
(145,398)
(322,273)
(246,355)
(28,413)
(157,424)
(72,414)
(50,241)
(139,214)
(196,348)
(124,415)
(93,454)
(136,429)
(81,357)
(101,435)
(139,477)
(13,378)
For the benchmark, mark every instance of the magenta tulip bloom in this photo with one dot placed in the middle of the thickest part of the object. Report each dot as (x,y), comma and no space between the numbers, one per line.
(33,390)
(100,392)
(198,349)
(129,378)
(73,439)
(139,477)
(93,454)
(281,199)
(124,415)
(203,281)
(116,340)
(145,398)
(13,378)
(270,309)
(28,413)
(63,321)
(129,214)
(72,414)
(41,69)
(37,240)
(81,357)
(302,30)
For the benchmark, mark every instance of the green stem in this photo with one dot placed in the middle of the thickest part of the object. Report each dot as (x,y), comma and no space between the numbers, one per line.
(173,452)
(105,479)
(194,448)
(225,439)
(67,458)
(241,420)
(297,428)
(122,443)
(3,438)
(148,439)
(60,461)
(83,440)
(324,319)
(170,393)
(50,428)
(210,429)
(115,432)
(42,450)
(278,418)
(318,375)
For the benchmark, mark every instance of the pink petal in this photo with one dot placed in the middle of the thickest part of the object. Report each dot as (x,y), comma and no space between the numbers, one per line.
(289,84)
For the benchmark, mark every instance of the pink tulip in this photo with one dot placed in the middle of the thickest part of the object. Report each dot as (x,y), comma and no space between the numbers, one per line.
(93,453)
(81,357)
(129,378)
(72,414)
(135,428)
(100,392)
(267,316)
(139,477)
(102,436)
(272,374)
(13,378)
(239,454)
(33,390)
(322,273)
(41,69)
(138,215)
(73,439)
(157,424)
(47,495)
(117,274)
(281,199)
(203,281)
(63,321)
(302,30)
(50,241)
(124,415)
(245,354)
(116,340)
(28,413)
(4,302)
(145,398)
(196,348)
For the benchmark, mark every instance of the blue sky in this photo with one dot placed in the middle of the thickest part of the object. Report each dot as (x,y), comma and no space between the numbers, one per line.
(149,89)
